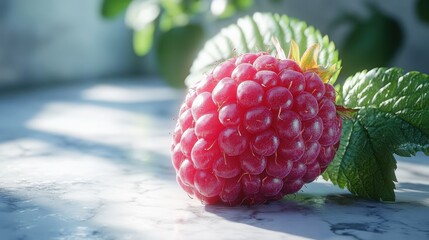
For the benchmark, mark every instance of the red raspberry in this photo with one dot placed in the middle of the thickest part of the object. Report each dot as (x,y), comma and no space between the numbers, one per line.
(253,130)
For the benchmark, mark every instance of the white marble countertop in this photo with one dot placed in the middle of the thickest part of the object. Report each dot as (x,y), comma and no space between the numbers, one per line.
(91,161)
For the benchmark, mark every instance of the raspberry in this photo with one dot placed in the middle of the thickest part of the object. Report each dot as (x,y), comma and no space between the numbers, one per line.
(255,129)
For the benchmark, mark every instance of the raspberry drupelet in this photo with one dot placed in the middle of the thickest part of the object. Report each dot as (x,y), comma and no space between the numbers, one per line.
(256,128)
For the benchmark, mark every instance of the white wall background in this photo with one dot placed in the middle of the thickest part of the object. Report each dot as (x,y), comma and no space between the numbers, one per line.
(60,40)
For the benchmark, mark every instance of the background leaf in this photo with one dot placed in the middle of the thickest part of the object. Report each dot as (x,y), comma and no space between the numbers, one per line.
(422,10)
(393,117)
(242,4)
(143,39)
(112,8)
(191,6)
(254,33)
(175,50)
(371,42)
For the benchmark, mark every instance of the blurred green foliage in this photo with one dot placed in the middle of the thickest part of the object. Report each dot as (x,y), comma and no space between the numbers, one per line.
(112,8)
(175,30)
(176,50)
(422,9)
(371,42)
(143,39)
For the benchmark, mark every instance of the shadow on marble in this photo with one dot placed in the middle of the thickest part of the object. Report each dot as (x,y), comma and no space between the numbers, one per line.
(410,192)
(26,105)
(423,188)
(78,118)
(345,215)
(35,218)
(23,219)
(297,215)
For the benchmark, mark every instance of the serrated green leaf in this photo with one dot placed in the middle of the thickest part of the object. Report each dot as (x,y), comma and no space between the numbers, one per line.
(391,91)
(393,117)
(254,33)
(112,8)
(143,39)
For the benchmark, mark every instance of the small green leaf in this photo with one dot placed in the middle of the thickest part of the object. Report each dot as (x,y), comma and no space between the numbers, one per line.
(175,51)
(143,39)
(254,33)
(112,8)
(392,118)
(191,6)
(172,7)
(242,4)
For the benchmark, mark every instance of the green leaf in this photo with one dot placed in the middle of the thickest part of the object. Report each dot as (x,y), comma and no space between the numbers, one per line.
(172,7)
(175,51)
(242,4)
(143,39)
(392,118)
(112,8)
(191,6)
(254,33)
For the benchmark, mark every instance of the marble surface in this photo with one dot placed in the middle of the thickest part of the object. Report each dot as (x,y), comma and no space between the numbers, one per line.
(91,161)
